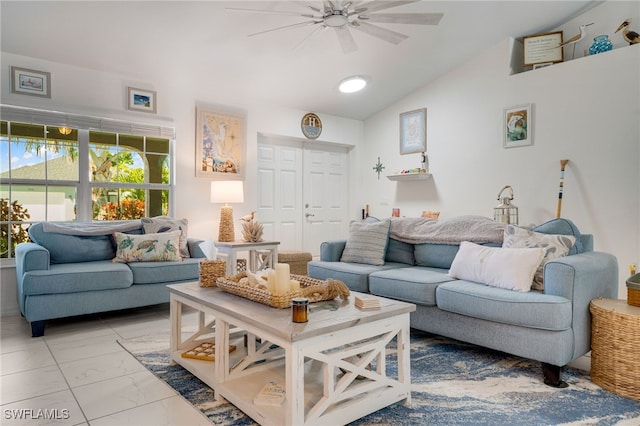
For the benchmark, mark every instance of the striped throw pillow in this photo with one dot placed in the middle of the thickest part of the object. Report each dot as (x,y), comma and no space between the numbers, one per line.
(367,243)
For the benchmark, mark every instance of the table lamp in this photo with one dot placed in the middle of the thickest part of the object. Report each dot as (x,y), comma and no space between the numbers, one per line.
(226,191)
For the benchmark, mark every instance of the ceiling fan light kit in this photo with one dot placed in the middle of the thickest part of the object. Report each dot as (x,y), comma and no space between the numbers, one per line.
(352,84)
(343,16)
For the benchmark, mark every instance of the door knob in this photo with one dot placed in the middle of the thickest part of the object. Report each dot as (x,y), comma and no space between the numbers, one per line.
(309,214)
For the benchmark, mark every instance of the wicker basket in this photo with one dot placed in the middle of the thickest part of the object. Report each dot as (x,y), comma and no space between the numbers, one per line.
(615,342)
(210,271)
(314,290)
(633,290)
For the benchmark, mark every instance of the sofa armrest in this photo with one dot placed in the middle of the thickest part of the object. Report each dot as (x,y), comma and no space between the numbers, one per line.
(31,257)
(194,247)
(331,251)
(582,278)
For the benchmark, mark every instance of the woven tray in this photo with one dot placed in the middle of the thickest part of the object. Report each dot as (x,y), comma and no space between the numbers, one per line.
(314,290)
(633,290)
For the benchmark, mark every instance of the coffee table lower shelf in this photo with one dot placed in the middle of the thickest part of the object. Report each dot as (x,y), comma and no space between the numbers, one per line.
(332,374)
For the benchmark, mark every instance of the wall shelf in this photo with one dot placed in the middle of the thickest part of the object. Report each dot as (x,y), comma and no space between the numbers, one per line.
(409,176)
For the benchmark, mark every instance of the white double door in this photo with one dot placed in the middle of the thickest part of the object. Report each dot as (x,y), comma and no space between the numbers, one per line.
(303,192)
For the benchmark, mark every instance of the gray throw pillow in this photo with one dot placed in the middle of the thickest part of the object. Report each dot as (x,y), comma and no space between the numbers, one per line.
(367,242)
(159,224)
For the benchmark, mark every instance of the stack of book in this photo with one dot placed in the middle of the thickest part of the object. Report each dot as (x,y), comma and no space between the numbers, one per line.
(367,302)
(272,393)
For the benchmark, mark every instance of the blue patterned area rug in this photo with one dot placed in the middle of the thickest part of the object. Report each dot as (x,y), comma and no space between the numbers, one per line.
(453,383)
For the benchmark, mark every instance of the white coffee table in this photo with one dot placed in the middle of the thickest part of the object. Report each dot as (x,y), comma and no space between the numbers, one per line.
(325,364)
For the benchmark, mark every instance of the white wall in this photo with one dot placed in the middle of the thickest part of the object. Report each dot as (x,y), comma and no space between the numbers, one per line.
(94,93)
(586,110)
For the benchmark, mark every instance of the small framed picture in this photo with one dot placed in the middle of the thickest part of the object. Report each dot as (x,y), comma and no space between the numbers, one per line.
(517,126)
(30,82)
(413,131)
(141,100)
(542,49)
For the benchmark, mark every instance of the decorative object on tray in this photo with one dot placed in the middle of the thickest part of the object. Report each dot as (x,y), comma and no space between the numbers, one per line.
(252,230)
(431,214)
(600,44)
(630,36)
(313,289)
(205,351)
(210,271)
(272,394)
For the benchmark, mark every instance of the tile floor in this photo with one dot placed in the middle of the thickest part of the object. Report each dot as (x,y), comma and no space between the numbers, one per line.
(80,374)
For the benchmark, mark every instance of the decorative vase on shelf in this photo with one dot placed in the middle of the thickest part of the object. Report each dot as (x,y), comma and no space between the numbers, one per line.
(600,44)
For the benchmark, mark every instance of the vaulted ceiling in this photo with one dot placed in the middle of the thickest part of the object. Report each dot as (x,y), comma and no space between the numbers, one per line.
(205,44)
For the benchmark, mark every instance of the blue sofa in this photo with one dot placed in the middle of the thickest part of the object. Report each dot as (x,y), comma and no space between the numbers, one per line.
(61,275)
(552,326)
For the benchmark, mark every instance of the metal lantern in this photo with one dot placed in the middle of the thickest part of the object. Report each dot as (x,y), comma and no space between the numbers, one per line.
(506,212)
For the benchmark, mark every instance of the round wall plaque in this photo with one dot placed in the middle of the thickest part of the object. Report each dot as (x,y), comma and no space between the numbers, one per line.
(311,126)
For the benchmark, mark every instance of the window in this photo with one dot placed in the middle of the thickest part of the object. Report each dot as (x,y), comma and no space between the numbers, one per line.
(96,170)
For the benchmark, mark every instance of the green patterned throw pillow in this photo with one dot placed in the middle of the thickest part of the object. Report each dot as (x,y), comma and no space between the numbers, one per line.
(162,247)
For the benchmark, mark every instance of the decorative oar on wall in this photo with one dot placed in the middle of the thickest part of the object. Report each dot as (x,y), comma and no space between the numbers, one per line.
(563,163)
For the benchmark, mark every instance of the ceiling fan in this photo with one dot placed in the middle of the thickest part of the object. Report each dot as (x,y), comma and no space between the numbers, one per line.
(345,15)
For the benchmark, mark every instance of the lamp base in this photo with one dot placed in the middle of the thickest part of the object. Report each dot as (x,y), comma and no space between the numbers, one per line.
(226,232)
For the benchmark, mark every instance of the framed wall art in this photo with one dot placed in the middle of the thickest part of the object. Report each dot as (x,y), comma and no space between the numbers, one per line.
(141,100)
(542,49)
(30,82)
(517,126)
(220,144)
(413,131)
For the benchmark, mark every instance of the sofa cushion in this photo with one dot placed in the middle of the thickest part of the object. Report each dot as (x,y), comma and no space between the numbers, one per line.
(162,247)
(158,224)
(65,248)
(367,243)
(415,285)
(435,255)
(531,309)
(77,277)
(512,269)
(401,252)
(564,227)
(354,275)
(164,272)
(554,246)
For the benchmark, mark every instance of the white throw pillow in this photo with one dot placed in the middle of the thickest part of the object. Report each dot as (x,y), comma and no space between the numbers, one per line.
(554,246)
(367,242)
(507,268)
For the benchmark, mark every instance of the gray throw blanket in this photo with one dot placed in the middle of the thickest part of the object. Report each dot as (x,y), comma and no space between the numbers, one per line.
(91,228)
(419,230)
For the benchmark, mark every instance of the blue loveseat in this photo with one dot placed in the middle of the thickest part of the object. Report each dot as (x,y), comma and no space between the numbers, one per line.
(552,326)
(62,275)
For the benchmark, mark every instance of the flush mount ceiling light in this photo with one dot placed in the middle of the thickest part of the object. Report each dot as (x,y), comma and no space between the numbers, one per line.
(352,84)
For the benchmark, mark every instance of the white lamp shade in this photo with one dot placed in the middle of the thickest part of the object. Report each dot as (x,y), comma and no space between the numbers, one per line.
(227,191)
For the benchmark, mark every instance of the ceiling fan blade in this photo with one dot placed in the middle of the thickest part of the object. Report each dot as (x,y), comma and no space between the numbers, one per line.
(346,39)
(308,6)
(375,5)
(271,12)
(382,33)
(404,18)
(316,31)
(287,27)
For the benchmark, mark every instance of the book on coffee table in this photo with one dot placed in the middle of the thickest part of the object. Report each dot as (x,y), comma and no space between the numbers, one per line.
(367,302)
(271,393)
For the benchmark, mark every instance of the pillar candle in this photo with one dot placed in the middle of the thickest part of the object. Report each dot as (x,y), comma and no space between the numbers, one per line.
(283,276)
(272,280)
(295,285)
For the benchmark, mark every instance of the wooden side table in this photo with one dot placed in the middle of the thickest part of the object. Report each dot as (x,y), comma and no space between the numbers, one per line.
(615,344)
(263,254)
